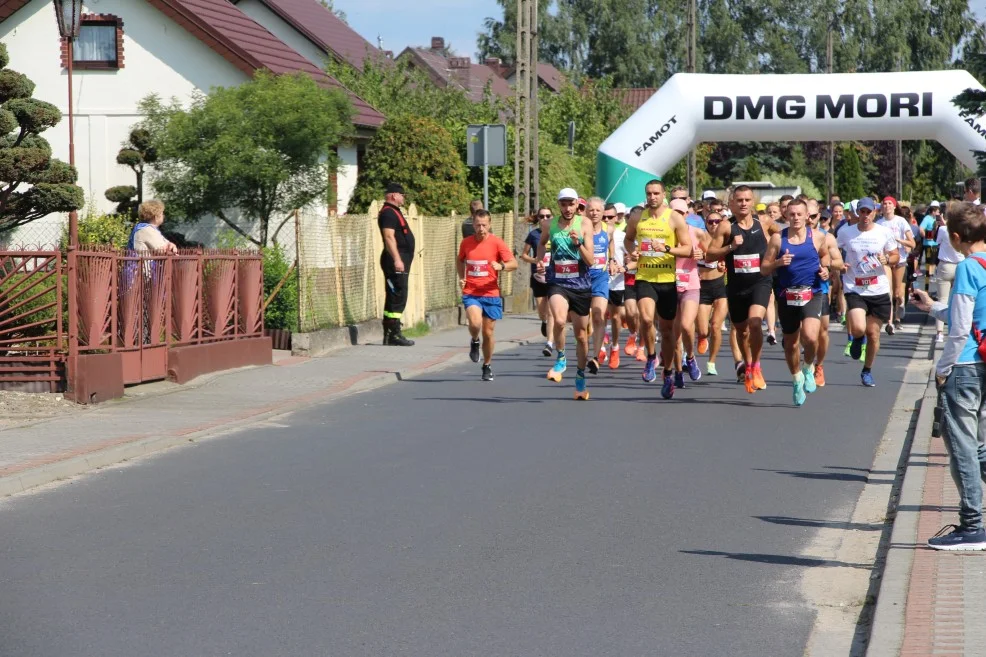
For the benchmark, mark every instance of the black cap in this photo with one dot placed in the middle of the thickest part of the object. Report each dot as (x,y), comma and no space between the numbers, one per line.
(394,188)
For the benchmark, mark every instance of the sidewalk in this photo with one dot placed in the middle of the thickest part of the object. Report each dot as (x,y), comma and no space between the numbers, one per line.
(930,602)
(160,415)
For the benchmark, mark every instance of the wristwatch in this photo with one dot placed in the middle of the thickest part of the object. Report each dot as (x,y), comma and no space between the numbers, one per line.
(667,249)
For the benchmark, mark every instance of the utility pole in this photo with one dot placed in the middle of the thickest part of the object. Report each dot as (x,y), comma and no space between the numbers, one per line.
(535,160)
(526,178)
(692,32)
(900,165)
(830,179)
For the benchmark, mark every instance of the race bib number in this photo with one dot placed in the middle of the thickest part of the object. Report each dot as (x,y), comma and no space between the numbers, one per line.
(707,265)
(866,281)
(682,278)
(798,296)
(746,264)
(566,269)
(652,247)
(599,261)
(477,268)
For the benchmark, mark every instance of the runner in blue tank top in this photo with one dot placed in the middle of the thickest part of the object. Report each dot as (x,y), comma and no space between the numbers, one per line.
(801,260)
(827,292)
(598,278)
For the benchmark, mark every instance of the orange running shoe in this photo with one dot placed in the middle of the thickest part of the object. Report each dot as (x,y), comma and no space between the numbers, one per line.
(631,347)
(758,378)
(614,359)
(819,376)
(602,354)
(641,356)
(751,387)
(703,345)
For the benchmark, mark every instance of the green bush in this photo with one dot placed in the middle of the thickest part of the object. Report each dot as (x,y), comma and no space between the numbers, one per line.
(282,313)
(97,228)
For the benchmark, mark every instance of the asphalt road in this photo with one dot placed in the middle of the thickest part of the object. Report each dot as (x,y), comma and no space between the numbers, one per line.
(447,516)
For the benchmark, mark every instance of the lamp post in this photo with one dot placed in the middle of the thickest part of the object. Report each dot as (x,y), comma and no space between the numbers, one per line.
(68,13)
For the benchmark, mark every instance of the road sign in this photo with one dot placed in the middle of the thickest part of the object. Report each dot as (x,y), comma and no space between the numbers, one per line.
(486,146)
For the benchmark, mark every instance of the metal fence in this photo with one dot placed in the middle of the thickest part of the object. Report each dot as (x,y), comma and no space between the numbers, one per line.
(339,278)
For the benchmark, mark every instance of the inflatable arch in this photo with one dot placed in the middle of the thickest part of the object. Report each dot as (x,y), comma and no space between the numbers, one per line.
(692,108)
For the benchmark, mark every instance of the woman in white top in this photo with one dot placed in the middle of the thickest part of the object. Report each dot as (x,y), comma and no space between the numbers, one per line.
(948,258)
(146,235)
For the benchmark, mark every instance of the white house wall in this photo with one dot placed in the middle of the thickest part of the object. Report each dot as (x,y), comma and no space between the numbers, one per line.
(283,31)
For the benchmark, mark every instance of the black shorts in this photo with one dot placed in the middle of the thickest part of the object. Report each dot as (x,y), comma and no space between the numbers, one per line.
(616,298)
(740,301)
(712,290)
(665,295)
(538,289)
(792,316)
(826,305)
(878,306)
(578,300)
(630,293)
(931,255)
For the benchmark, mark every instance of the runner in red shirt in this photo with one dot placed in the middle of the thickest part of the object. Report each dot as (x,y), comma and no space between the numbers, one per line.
(481,257)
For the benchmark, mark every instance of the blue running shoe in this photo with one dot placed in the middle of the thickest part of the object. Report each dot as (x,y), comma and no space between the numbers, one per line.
(650,370)
(810,385)
(558,369)
(856,348)
(799,389)
(867,378)
(959,539)
(679,380)
(580,391)
(694,373)
(667,390)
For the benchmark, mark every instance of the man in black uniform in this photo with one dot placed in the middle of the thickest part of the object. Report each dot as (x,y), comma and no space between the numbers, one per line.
(398,252)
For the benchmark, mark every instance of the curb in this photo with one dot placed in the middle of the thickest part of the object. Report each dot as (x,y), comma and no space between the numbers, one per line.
(126,449)
(887,631)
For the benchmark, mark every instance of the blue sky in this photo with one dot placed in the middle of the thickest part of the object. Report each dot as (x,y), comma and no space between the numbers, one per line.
(402,23)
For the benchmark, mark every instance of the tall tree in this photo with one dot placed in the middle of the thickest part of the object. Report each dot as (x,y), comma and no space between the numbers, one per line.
(848,173)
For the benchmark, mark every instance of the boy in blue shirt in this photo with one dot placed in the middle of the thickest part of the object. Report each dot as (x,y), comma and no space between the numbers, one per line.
(929,226)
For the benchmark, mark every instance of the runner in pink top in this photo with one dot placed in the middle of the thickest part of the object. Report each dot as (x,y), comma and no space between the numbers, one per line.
(689,289)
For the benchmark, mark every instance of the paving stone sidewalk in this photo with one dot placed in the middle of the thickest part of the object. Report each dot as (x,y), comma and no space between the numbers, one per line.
(161,415)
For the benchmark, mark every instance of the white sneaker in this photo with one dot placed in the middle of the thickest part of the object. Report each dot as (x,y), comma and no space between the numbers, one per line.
(939,338)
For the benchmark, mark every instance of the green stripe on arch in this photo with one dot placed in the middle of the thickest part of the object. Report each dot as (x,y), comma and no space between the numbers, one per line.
(619,181)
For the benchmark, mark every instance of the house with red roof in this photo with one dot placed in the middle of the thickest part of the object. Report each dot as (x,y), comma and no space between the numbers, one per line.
(133,48)
(461,72)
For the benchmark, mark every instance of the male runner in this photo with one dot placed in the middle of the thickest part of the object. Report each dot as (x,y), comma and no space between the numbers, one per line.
(712,300)
(868,248)
(901,231)
(539,288)
(743,243)
(569,287)
(617,286)
(599,277)
(482,256)
(797,255)
(662,235)
(826,292)
(630,310)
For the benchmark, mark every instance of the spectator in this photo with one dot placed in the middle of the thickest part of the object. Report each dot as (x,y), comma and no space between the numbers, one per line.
(961,376)
(146,235)
(398,252)
(972,191)
(467,228)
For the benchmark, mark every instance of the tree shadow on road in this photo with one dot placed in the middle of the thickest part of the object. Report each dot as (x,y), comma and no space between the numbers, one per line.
(820,524)
(828,476)
(779,559)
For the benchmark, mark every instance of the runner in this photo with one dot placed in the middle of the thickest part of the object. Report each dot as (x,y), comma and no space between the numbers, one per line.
(617,286)
(630,310)
(826,292)
(929,225)
(868,248)
(901,231)
(663,236)
(621,214)
(798,255)
(599,277)
(743,244)
(569,287)
(689,287)
(482,256)
(539,288)
(712,300)
(835,296)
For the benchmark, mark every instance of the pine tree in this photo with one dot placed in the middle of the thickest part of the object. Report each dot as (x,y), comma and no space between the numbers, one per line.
(751,170)
(848,173)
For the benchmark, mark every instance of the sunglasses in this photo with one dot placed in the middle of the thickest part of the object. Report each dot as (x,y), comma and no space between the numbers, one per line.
(544,216)
(714,222)
(813,216)
(609,216)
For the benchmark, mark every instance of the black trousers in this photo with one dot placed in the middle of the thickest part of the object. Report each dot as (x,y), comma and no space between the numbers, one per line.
(395,293)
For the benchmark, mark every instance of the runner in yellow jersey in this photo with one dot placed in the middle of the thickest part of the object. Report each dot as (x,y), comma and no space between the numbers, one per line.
(653,241)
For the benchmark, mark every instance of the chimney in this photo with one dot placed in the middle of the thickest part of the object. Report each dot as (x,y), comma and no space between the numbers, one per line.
(495,64)
(437,44)
(459,62)
(460,70)
(389,54)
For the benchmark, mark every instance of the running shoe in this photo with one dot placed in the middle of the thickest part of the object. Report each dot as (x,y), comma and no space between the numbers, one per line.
(544,329)
(819,376)
(614,358)
(899,324)
(811,385)
(758,379)
(771,339)
(890,328)
(487,373)
(641,355)
(867,379)
(558,369)
(751,387)
(580,391)
(939,338)
(631,347)
(856,348)
(679,380)
(862,356)
(474,351)
(710,369)
(694,373)
(667,390)
(593,366)
(740,372)
(799,389)
(548,350)
(845,352)
(649,374)
(703,345)
(601,356)
(842,319)
(958,540)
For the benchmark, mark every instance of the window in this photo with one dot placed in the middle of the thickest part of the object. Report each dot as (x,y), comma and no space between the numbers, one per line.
(100,43)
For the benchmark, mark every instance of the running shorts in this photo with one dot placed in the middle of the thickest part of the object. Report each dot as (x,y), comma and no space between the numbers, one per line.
(492,307)
(616,298)
(879,306)
(931,255)
(578,300)
(792,316)
(712,289)
(689,295)
(740,301)
(538,289)
(665,296)
(630,292)
(600,283)
(826,305)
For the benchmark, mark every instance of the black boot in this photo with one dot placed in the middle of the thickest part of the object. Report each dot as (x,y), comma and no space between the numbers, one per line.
(392,334)
(387,330)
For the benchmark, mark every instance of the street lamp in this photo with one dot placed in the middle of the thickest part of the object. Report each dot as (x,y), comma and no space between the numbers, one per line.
(68,13)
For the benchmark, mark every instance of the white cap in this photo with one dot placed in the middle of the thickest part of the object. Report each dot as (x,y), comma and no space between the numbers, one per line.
(568,193)
(934,204)
(708,195)
(620,208)
(853,204)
